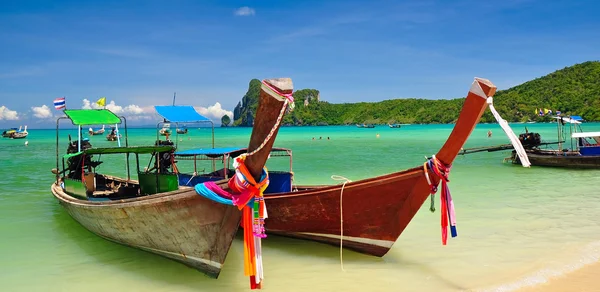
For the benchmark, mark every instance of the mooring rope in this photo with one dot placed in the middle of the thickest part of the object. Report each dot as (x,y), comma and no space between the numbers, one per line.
(339,177)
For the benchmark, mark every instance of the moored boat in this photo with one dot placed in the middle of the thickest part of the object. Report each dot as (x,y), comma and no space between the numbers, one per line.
(20,134)
(153,213)
(395,125)
(365,126)
(582,151)
(8,133)
(375,210)
(114,135)
(183,130)
(91,131)
(165,130)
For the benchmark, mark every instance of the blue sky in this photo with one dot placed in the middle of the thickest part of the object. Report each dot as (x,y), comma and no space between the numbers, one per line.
(137,53)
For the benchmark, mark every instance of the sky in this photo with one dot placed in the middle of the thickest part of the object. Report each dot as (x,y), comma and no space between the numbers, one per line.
(138,53)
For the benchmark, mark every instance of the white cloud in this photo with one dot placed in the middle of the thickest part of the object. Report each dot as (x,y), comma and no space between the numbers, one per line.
(214,112)
(42,112)
(244,11)
(7,114)
(131,109)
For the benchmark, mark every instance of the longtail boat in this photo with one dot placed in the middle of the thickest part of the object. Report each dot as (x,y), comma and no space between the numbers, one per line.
(375,210)
(8,133)
(153,213)
(582,151)
(20,134)
(91,131)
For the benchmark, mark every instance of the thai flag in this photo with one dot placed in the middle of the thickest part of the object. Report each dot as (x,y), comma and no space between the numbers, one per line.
(60,103)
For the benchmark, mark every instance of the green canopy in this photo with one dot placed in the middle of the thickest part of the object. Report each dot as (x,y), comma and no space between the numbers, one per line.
(81,117)
(119,150)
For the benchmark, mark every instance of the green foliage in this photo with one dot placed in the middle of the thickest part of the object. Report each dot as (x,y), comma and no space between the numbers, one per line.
(249,104)
(572,90)
(225,121)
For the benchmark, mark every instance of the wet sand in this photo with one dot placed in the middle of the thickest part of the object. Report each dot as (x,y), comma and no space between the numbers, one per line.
(585,279)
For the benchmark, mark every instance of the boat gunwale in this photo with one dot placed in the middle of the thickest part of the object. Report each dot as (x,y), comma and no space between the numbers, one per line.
(149,199)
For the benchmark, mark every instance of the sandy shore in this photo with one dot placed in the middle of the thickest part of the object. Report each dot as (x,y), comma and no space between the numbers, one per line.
(585,279)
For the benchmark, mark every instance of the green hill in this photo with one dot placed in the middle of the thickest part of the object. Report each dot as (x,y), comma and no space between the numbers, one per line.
(572,90)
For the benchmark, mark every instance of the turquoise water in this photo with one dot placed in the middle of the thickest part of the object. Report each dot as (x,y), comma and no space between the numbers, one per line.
(516,226)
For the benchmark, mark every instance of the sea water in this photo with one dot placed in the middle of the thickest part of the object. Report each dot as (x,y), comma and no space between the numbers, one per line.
(516,226)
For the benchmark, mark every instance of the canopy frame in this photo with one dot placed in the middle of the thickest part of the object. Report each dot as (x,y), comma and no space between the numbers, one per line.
(191,119)
(79,137)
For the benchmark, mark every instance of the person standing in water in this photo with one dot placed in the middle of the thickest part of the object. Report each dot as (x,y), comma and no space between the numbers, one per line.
(489,133)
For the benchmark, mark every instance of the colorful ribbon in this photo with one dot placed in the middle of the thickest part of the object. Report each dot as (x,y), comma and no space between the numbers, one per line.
(448,216)
(247,195)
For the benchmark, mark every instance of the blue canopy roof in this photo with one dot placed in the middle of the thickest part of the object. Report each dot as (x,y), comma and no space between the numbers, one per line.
(223,151)
(577,118)
(180,113)
(209,151)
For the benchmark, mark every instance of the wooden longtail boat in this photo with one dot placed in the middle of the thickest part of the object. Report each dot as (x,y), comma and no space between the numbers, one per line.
(583,151)
(376,210)
(91,131)
(153,213)
(20,134)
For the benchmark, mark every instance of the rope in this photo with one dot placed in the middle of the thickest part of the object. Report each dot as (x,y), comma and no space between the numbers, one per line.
(288,105)
(339,177)
(247,195)
(448,216)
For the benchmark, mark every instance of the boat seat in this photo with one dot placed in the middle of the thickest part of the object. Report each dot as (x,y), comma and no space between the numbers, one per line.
(597,139)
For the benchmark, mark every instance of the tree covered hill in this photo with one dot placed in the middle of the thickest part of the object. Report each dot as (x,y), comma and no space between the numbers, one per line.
(572,90)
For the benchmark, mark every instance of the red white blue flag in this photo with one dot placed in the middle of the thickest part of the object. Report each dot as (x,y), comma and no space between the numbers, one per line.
(60,103)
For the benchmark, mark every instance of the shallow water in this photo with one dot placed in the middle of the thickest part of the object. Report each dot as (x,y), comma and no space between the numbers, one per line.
(516,226)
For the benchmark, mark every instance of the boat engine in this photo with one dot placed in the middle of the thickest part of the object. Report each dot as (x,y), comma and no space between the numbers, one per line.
(530,140)
(164,159)
(74,164)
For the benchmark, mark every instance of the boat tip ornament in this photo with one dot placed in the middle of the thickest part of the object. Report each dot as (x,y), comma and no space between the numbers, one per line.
(247,194)
(448,215)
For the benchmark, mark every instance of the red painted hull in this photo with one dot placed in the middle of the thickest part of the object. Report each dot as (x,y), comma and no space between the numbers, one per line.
(375,210)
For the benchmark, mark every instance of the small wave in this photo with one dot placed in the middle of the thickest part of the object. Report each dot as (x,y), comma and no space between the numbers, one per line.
(589,254)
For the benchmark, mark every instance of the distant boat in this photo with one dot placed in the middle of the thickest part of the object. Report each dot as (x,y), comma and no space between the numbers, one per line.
(182,130)
(91,131)
(394,125)
(112,136)
(20,134)
(8,133)
(365,125)
(166,129)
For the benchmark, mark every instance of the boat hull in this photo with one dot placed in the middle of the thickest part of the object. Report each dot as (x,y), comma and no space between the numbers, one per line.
(375,212)
(179,225)
(554,159)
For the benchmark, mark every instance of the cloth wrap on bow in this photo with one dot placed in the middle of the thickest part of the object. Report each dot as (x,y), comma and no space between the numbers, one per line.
(448,216)
(247,195)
